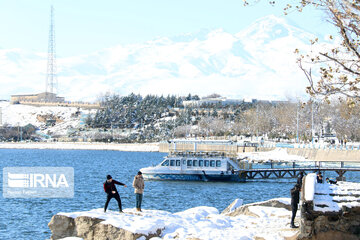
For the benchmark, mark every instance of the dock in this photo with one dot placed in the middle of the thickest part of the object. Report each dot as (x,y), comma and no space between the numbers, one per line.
(268,173)
(320,157)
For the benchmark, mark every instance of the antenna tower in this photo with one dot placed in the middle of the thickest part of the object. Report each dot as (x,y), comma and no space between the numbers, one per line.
(51,79)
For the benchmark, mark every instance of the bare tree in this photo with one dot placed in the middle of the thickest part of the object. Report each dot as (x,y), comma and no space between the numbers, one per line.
(337,68)
(346,121)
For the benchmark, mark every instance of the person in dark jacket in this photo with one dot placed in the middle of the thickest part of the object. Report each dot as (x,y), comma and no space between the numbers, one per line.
(300,178)
(111,191)
(319,178)
(295,197)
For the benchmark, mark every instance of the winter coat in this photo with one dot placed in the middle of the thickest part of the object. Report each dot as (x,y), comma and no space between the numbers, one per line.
(110,186)
(139,184)
(299,181)
(295,196)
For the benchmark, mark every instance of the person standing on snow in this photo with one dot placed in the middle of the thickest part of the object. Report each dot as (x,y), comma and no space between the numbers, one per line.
(111,191)
(300,178)
(139,186)
(295,197)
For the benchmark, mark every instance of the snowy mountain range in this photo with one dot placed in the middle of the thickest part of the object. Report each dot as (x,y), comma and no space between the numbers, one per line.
(257,62)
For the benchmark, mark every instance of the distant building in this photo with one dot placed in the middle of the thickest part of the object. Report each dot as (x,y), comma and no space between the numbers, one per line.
(40,97)
(271,102)
(221,100)
(225,102)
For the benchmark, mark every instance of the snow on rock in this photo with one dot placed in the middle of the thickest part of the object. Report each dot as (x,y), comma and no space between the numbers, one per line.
(276,155)
(309,187)
(195,223)
(246,209)
(233,206)
(96,224)
(237,203)
(266,212)
(333,197)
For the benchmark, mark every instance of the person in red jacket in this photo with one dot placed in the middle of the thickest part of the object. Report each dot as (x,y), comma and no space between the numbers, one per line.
(111,191)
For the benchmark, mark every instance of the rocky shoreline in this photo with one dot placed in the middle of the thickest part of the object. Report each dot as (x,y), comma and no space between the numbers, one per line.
(263,220)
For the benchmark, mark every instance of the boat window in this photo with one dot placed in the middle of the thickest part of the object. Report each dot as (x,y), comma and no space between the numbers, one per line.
(212,163)
(195,162)
(178,162)
(206,163)
(172,162)
(218,163)
(166,163)
(201,163)
(189,163)
(184,162)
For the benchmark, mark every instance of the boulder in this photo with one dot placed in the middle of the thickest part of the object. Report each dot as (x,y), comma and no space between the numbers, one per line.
(330,225)
(244,210)
(233,206)
(90,228)
(61,226)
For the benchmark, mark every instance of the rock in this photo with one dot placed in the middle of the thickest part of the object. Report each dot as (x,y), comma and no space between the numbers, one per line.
(233,206)
(259,238)
(331,225)
(331,235)
(244,210)
(294,237)
(90,228)
(61,227)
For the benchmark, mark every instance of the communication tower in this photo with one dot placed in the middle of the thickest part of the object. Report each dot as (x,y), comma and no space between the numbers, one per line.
(51,78)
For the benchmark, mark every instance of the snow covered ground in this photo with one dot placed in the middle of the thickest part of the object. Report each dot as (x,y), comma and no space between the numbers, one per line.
(280,156)
(276,155)
(21,115)
(200,223)
(331,197)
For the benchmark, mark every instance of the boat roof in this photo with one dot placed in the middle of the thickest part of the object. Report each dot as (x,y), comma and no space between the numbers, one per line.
(187,141)
(202,154)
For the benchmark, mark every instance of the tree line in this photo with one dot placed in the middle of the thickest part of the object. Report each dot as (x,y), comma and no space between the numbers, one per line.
(158,118)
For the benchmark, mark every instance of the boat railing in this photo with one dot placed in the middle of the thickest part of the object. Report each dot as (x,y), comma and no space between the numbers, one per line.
(202,146)
(216,154)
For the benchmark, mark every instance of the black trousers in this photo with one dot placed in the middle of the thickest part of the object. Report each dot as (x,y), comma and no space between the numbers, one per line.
(294,208)
(109,197)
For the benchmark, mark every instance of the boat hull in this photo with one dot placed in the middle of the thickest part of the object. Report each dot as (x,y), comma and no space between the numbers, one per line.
(193,177)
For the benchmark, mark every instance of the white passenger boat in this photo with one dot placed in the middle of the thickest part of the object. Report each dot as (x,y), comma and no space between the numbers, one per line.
(196,166)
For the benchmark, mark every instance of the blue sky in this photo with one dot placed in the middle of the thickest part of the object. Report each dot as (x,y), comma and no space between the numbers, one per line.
(87,26)
(157,47)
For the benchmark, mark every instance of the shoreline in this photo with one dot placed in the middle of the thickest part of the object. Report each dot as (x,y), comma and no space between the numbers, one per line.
(237,221)
(124,147)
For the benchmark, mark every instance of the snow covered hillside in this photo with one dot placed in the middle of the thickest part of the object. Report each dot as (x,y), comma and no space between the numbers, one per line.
(21,115)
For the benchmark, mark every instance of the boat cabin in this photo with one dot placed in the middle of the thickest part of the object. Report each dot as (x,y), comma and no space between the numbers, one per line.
(221,164)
